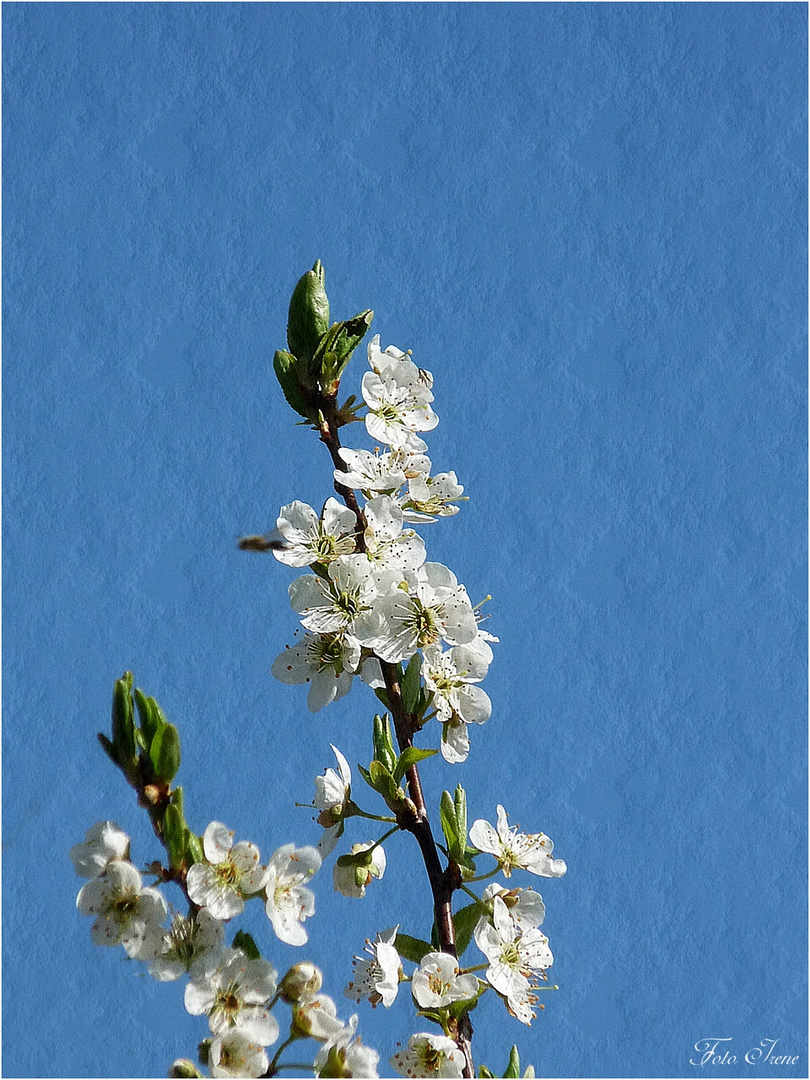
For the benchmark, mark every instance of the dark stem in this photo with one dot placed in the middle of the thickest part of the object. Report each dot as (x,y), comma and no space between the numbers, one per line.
(442,882)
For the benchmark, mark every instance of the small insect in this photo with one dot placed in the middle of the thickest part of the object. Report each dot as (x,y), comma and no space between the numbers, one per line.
(262,543)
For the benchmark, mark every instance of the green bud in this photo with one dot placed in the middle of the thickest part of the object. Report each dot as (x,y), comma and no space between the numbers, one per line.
(149,715)
(308,318)
(165,753)
(384,751)
(184,1068)
(123,724)
(174,834)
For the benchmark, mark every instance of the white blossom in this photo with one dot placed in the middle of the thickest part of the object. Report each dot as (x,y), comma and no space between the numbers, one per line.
(370,472)
(312,539)
(352,880)
(126,913)
(332,605)
(385,541)
(455,744)
(326,661)
(344,1055)
(524,905)
(398,397)
(377,978)
(332,798)
(231,873)
(452,677)
(188,940)
(433,607)
(438,982)
(302,982)
(317,1019)
(429,497)
(232,1054)
(514,849)
(514,957)
(429,1055)
(234,993)
(104,843)
(289,901)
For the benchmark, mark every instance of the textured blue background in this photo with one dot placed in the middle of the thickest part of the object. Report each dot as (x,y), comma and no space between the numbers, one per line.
(589,222)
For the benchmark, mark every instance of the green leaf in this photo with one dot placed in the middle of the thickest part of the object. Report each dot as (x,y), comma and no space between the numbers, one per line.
(123,724)
(177,799)
(366,776)
(174,834)
(460,807)
(410,756)
(108,748)
(165,753)
(383,743)
(465,921)
(447,816)
(194,849)
(412,683)
(149,715)
(242,940)
(457,1008)
(287,369)
(411,948)
(484,1072)
(308,318)
(383,697)
(513,1068)
(383,782)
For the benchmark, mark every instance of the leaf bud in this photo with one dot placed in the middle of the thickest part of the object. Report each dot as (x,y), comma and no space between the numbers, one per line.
(308,318)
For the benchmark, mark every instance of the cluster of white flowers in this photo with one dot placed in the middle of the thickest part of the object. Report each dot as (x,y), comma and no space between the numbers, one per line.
(235,992)
(372,595)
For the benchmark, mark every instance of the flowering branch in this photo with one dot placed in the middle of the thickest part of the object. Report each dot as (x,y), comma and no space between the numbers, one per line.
(370,605)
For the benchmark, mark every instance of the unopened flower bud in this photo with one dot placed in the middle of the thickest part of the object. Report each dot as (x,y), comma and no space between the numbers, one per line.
(300,983)
(184,1068)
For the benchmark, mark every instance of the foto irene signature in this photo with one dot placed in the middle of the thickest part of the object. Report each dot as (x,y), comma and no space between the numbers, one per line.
(714,1052)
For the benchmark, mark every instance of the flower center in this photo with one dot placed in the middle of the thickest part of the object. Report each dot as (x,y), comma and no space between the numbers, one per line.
(227,874)
(123,908)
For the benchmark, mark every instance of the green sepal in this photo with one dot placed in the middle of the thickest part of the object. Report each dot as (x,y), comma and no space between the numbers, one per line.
(434,1016)
(410,756)
(484,1073)
(287,368)
(465,921)
(194,849)
(513,1068)
(149,716)
(174,835)
(242,940)
(411,948)
(164,753)
(123,723)
(308,318)
(383,743)
(108,748)
(412,684)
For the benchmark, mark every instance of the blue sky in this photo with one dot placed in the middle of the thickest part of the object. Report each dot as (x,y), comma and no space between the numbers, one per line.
(589,221)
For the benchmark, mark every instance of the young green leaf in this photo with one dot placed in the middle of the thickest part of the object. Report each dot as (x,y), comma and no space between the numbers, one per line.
(383,743)
(411,948)
(410,756)
(174,835)
(164,753)
(447,816)
(465,921)
(149,715)
(308,318)
(123,724)
(412,683)
(513,1068)
(242,940)
(484,1073)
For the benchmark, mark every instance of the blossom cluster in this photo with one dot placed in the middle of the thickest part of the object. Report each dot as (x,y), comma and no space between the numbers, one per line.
(236,992)
(372,595)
